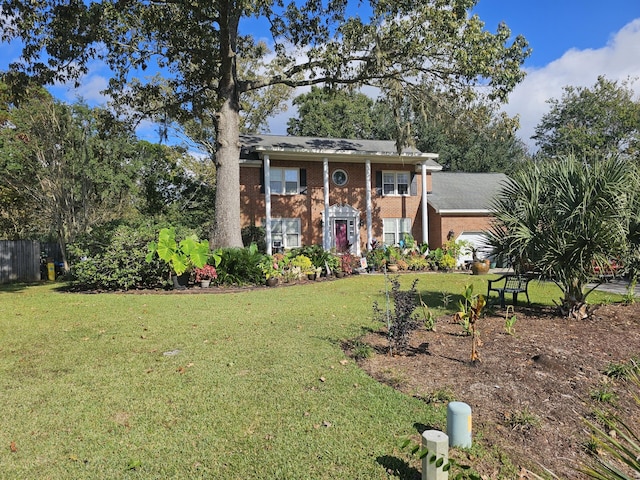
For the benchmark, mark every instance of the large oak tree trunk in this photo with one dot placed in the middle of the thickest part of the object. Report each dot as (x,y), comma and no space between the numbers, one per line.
(227,229)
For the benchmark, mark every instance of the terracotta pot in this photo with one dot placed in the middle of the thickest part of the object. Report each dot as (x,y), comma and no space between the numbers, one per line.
(480,268)
(392,268)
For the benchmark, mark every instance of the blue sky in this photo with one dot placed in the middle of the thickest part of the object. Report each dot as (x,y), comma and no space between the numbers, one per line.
(573,42)
(553,27)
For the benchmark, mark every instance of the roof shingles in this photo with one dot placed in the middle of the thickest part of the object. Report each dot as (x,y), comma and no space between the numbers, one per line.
(460,192)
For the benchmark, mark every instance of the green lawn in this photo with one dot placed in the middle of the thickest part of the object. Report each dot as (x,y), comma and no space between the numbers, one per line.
(257,386)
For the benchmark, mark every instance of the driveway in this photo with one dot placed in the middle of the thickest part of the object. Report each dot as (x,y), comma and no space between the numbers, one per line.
(616,285)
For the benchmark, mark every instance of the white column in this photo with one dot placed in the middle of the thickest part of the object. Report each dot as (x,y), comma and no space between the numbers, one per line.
(267,202)
(326,227)
(425,208)
(367,176)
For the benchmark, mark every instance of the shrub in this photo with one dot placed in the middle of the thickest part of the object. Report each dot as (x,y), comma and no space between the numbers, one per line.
(400,321)
(402,265)
(118,265)
(447,262)
(303,264)
(376,257)
(240,266)
(417,262)
(253,234)
(320,258)
(346,263)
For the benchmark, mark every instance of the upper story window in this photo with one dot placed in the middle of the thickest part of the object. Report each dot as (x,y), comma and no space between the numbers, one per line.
(395,183)
(285,181)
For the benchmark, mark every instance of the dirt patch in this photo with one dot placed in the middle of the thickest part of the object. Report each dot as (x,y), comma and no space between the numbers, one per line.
(532,390)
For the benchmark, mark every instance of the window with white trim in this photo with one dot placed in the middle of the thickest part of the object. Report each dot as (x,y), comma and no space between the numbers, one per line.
(395,183)
(285,181)
(395,229)
(286,231)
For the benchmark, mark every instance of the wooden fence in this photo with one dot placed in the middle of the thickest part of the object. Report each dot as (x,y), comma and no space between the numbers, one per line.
(19,261)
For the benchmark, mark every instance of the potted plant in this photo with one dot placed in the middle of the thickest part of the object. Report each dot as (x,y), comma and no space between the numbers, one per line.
(478,266)
(447,262)
(434,258)
(374,259)
(180,257)
(270,269)
(302,266)
(392,255)
(332,263)
(346,263)
(205,274)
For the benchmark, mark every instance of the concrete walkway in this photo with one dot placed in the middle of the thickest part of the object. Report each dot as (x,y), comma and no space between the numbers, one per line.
(616,285)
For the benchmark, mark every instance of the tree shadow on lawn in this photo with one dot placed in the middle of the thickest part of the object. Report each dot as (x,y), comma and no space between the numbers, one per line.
(16,287)
(446,300)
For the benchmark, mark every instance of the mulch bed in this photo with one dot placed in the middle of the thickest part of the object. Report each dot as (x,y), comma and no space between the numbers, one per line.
(546,372)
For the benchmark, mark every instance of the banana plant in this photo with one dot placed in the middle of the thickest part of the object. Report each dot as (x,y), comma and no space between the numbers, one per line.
(468,314)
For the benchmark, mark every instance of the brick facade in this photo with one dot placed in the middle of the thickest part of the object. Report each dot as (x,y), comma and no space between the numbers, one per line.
(441,225)
(309,207)
(457,202)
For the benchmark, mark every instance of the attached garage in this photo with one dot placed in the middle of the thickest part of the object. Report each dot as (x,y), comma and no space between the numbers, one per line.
(460,207)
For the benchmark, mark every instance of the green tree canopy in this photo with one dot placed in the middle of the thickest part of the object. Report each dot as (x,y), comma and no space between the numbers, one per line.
(325,112)
(471,137)
(563,218)
(72,166)
(69,169)
(591,123)
(173,187)
(200,51)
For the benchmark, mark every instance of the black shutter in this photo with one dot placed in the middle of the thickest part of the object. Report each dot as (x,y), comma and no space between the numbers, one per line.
(303,181)
(379,182)
(261,179)
(414,185)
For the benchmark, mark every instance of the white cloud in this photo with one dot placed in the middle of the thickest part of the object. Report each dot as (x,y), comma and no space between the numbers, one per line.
(91,88)
(618,60)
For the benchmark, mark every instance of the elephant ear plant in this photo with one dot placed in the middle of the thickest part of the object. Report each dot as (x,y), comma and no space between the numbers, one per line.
(181,257)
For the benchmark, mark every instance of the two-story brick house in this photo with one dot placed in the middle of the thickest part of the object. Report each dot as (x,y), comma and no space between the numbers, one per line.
(337,192)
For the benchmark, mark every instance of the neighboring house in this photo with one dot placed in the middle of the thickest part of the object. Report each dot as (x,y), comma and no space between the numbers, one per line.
(340,193)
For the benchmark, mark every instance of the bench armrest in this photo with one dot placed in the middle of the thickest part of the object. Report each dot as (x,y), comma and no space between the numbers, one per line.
(499,279)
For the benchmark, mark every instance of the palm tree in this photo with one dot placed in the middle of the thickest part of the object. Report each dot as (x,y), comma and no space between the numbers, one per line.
(566,220)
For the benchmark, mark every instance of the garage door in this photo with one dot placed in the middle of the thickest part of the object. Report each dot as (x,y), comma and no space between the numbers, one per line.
(478,240)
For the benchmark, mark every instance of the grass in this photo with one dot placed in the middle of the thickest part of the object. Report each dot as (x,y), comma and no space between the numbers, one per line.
(522,419)
(237,385)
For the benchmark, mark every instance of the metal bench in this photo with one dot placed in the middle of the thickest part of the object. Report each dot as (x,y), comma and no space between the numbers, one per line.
(513,284)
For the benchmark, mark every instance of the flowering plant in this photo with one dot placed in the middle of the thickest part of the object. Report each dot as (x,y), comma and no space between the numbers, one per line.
(207,272)
(270,267)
